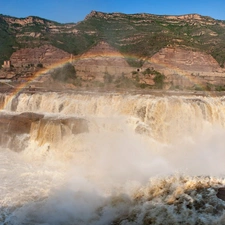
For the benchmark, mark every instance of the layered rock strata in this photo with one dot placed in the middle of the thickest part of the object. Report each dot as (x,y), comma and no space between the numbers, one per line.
(45,55)
(185,67)
(99,60)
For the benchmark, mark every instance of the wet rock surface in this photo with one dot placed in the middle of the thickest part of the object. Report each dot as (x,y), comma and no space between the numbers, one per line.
(221,193)
(17,129)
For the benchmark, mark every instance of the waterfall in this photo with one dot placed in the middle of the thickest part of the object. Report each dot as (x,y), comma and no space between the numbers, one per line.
(162,118)
(110,158)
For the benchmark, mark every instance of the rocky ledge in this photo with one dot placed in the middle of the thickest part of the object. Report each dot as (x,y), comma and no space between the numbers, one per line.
(18,129)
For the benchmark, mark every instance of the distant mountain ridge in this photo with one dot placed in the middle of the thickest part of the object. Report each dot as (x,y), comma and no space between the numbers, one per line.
(142,35)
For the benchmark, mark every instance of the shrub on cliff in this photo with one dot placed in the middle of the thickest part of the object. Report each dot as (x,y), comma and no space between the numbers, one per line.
(40,65)
(64,73)
(159,80)
(108,78)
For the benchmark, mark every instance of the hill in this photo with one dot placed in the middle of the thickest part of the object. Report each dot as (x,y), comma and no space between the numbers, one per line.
(139,34)
(184,48)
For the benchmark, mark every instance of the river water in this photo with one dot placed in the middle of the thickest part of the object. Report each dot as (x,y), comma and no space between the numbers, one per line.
(144,159)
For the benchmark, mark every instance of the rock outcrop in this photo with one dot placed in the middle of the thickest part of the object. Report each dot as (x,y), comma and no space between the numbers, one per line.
(37,127)
(45,55)
(185,59)
(185,68)
(182,67)
(25,21)
(99,60)
(194,52)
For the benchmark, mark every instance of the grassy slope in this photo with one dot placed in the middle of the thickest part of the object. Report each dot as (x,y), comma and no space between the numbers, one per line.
(142,35)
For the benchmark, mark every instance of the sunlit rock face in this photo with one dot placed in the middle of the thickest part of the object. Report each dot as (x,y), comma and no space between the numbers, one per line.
(185,59)
(185,68)
(18,129)
(45,54)
(99,60)
(110,158)
(186,48)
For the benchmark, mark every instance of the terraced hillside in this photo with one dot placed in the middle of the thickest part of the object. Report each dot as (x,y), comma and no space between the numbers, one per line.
(139,34)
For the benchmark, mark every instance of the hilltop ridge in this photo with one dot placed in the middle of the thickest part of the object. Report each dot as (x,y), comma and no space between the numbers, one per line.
(186,17)
(143,34)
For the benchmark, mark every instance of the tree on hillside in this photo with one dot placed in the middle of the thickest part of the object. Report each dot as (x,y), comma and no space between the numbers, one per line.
(159,80)
(64,73)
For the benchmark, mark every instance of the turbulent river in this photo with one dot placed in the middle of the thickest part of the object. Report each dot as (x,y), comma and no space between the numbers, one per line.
(138,159)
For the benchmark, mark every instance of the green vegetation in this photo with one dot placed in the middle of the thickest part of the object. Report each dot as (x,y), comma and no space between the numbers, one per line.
(220,88)
(149,71)
(64,73)
(77,82)
(135,62)
(124,82)
(7,41)
(137,35)
(108,78)
(155,32)
(159,80)
(158,77)
(40,65)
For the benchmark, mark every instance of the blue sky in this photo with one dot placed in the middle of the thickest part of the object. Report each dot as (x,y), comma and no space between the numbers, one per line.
(65,11)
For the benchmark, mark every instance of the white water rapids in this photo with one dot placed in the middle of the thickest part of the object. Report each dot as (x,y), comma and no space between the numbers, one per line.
(143,160)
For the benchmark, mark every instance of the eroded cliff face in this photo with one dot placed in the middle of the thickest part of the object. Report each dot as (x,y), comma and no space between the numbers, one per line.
(187,49)
(184,67)
(100,60)
(46,55)
(141,34)
(24,21)
(185,59)
(45,25)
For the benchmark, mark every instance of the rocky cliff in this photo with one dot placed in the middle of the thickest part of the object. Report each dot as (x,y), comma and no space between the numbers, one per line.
(100,60)
(45,55)
(37,127)
(187,68)
(139,34)
(187,49)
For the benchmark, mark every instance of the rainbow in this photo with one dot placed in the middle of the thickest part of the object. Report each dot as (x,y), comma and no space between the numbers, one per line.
(86,56)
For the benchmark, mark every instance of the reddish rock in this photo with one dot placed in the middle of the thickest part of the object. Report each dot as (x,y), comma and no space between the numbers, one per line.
(184,67)
(99,60)
(185,59)
(46,55)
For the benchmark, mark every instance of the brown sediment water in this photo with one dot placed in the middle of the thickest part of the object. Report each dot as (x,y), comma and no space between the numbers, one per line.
(111,158)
